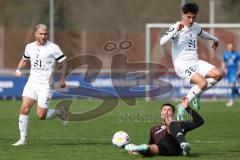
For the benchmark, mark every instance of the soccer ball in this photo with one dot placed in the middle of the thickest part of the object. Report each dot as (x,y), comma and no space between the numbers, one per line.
(120,139)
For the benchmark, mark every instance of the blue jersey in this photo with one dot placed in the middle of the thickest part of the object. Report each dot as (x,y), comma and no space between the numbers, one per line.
(231,60)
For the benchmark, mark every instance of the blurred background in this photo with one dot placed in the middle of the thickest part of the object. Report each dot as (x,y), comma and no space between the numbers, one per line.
(82,27)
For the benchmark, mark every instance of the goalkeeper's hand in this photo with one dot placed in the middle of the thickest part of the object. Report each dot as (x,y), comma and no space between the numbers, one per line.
(185,102)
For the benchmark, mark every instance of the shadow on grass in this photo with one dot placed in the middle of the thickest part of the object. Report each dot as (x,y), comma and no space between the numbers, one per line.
(233,150)
(195,155)
(79,143)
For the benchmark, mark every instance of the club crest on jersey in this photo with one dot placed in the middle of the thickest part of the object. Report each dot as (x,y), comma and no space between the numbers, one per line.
(170,29)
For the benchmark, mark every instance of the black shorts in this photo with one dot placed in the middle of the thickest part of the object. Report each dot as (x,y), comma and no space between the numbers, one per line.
(169,146)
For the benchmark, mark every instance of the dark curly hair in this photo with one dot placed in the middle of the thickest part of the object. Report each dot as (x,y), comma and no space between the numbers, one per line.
(168,104)
(190,7)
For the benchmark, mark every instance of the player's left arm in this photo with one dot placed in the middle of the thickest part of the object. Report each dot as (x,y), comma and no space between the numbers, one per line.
(64,73)
(208,36)
(61,59)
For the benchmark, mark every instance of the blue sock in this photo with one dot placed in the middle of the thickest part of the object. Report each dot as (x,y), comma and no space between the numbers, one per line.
(232,95)
(235,92)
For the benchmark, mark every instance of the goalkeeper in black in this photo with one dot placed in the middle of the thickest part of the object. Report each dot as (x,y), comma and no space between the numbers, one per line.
(168,138)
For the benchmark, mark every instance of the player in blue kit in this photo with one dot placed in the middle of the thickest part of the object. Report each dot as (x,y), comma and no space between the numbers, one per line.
(230,67)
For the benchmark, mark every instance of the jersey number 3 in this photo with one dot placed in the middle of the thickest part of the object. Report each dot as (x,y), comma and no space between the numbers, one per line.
(189,71)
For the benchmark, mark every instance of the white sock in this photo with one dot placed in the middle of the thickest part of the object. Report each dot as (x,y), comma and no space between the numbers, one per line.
(51,114)
(194,91)
(211,82)
(23,126)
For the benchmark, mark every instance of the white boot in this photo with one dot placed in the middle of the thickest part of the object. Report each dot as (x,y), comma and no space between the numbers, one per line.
(230,103)
(185,148)
(20,142)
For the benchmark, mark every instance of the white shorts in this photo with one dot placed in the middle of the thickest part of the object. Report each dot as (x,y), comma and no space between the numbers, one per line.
(187,70)
(41,93)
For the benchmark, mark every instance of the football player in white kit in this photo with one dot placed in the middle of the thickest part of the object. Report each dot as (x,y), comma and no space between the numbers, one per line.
(43,55)
(183,36)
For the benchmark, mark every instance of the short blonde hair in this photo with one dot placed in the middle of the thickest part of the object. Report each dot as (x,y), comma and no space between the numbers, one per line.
(41,26)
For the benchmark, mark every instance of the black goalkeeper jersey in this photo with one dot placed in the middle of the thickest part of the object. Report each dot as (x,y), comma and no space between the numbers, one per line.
(159,132)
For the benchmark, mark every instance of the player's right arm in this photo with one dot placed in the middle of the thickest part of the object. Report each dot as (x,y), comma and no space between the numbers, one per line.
(172,31)
(22,62)
(196,121)
(21,65)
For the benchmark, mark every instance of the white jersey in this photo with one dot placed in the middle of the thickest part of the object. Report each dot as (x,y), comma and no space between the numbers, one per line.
(184,42)
(43,59)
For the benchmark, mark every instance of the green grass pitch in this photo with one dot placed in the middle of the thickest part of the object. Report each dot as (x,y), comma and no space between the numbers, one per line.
(218,138)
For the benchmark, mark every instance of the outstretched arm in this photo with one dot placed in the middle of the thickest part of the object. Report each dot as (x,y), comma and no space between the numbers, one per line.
(208,36)
(196,120)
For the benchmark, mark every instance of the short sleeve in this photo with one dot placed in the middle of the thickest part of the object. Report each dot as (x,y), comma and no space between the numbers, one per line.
(26,55)
(58,54)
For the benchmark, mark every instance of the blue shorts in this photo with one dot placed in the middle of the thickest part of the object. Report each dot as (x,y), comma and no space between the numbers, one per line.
(232,77)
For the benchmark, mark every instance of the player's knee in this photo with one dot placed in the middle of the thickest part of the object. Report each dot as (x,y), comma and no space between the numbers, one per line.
(41,116)
(218,75)
(202,84)
(24,110)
